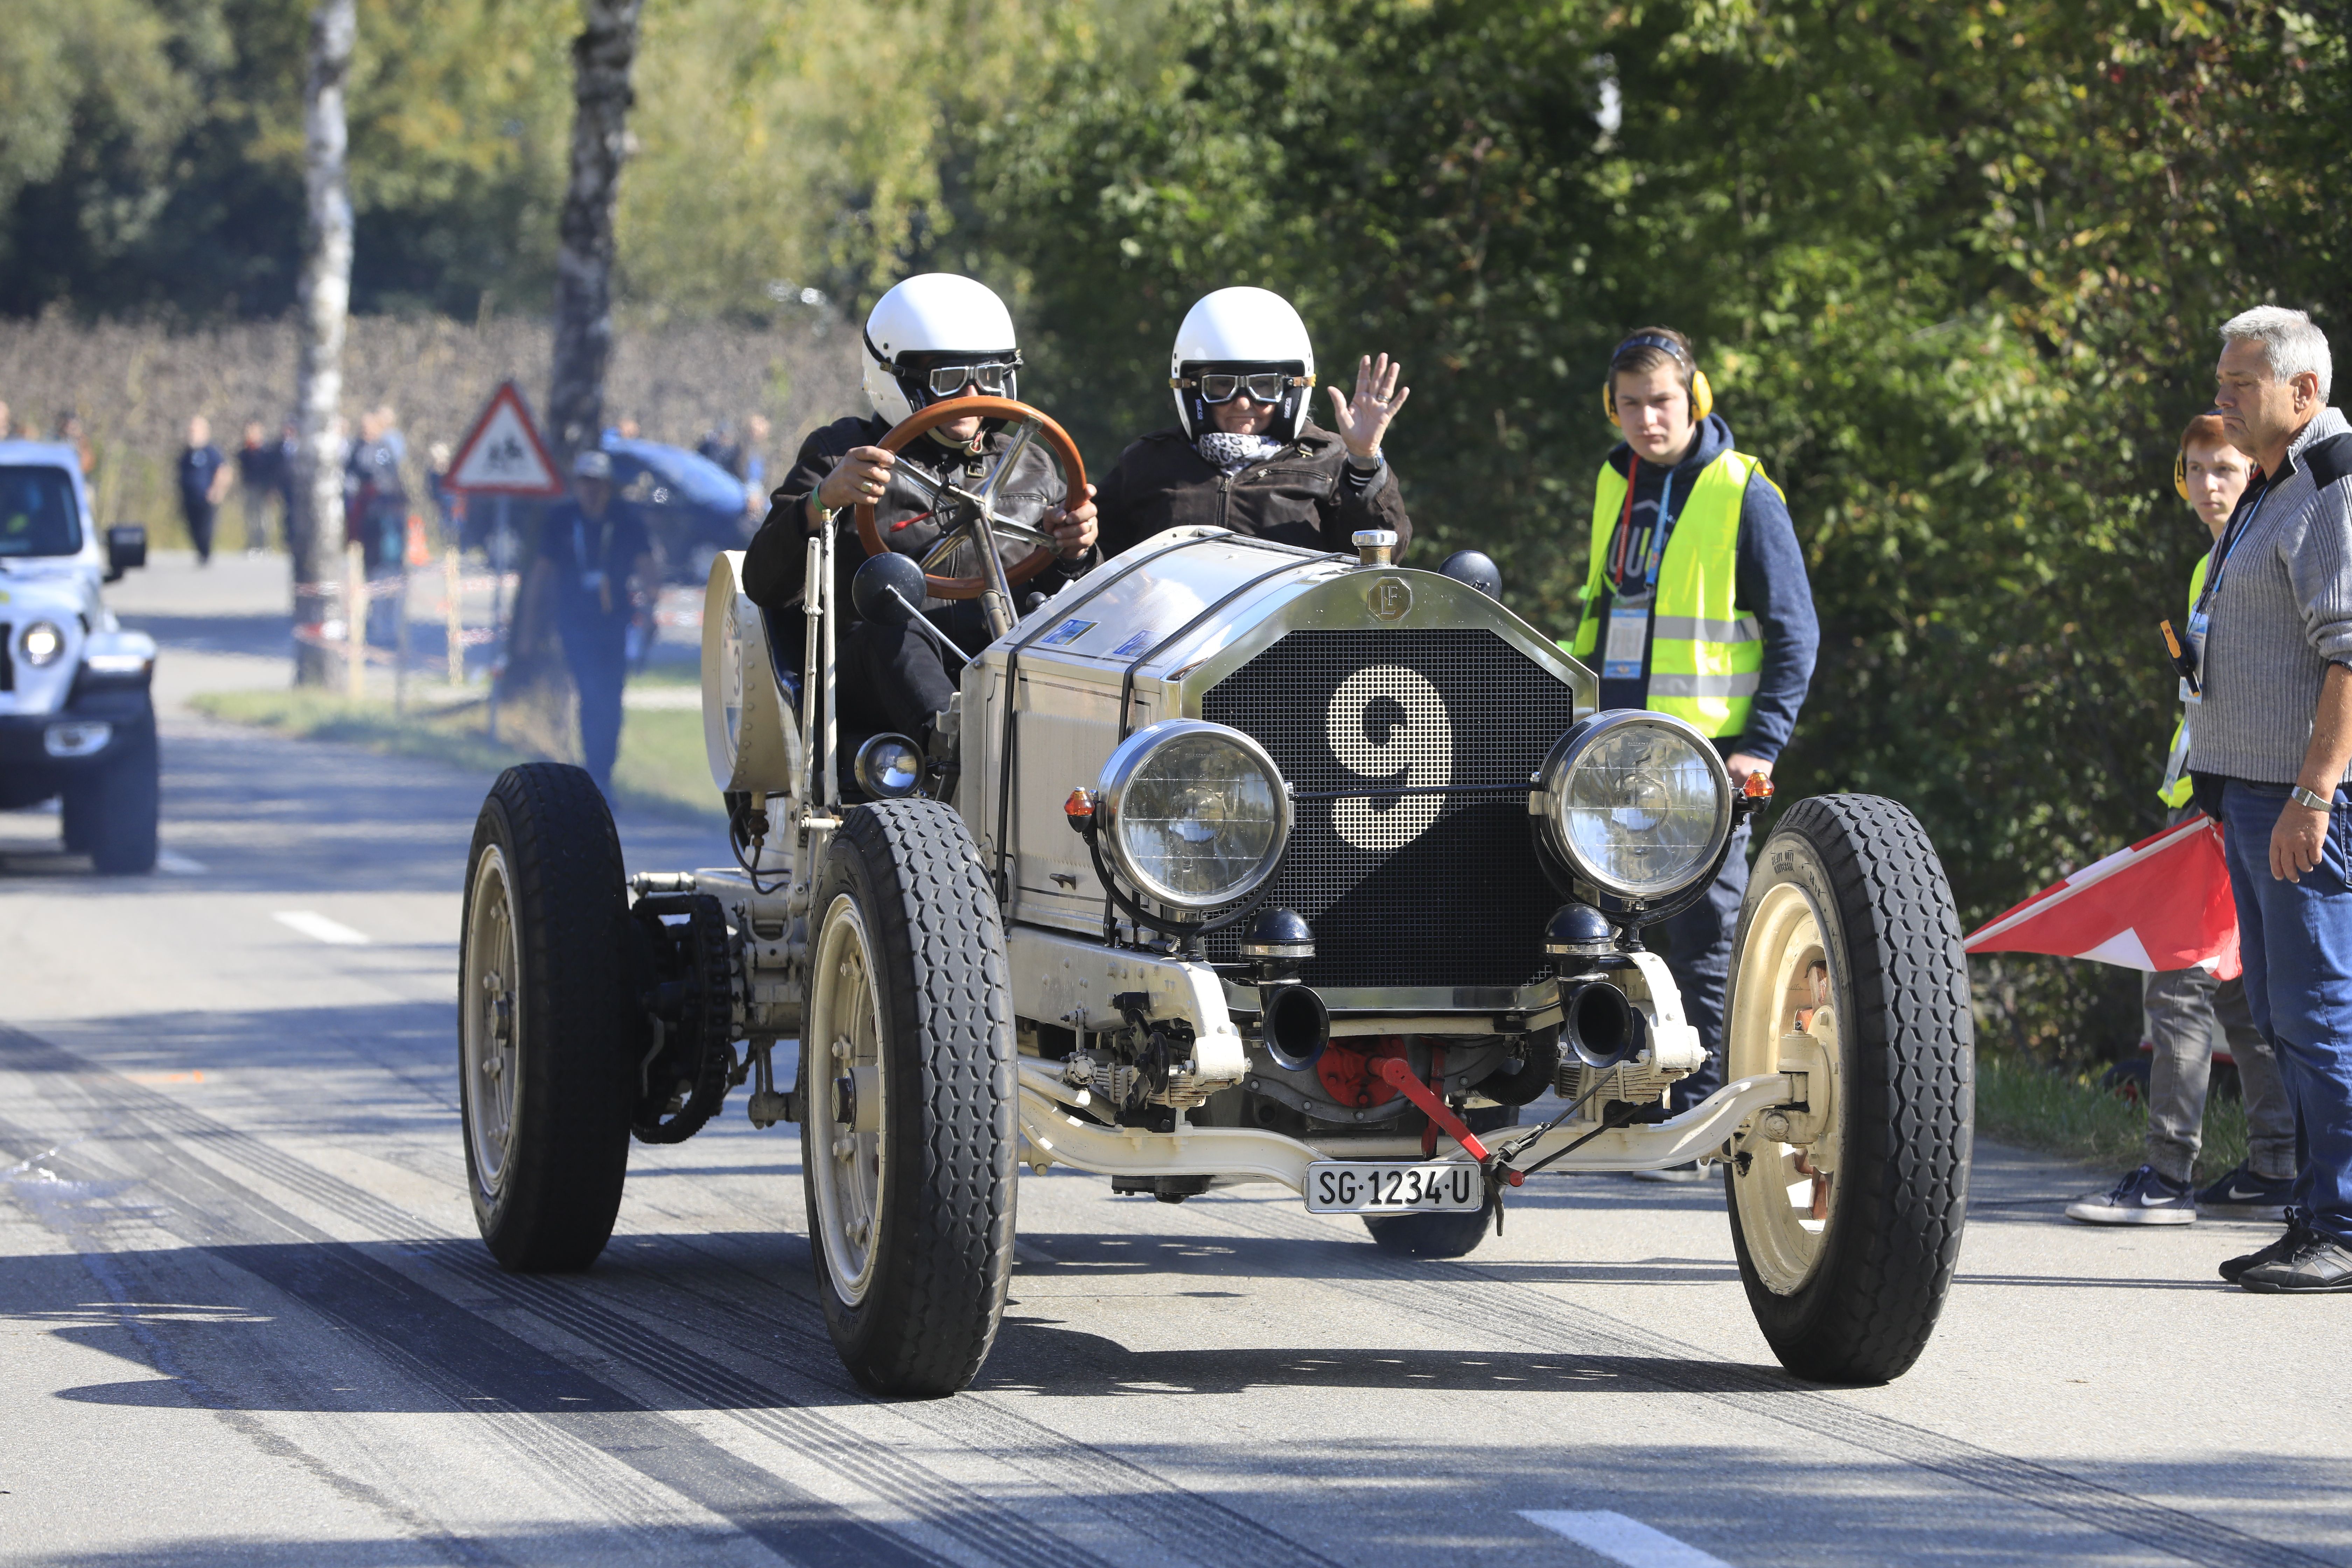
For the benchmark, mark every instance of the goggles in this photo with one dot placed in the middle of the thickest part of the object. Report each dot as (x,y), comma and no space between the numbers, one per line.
(993,376)
(1263,386)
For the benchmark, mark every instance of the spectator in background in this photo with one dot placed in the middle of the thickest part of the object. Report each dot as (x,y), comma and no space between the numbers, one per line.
(754,476)
(720,447)
(595,549)
(7,425)
(204,480)
(2271,752)
(2184,1006)
(259,460)
(69,429)
(448,505)
(377,509)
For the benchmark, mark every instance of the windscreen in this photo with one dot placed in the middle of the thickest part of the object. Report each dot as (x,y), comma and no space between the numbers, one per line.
(38,515)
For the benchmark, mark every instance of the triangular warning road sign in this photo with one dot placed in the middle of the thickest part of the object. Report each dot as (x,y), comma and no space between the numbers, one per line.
(503,455)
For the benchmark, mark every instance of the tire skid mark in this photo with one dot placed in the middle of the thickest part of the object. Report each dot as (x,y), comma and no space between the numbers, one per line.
(1124,1491)
(462,1357)
(1143,1500)
(1519,1313)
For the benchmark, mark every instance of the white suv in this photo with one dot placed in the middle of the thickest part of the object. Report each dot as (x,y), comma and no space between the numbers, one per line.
(77,722)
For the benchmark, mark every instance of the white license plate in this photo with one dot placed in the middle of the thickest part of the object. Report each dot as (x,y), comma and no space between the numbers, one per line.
(1365,1186)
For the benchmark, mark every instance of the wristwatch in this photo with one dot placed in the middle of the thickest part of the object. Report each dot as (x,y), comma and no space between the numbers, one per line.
(2316,802)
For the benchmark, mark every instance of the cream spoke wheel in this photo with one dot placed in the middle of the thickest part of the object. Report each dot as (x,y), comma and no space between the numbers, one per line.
(847,1106)
(1787,1016)
(487,1021)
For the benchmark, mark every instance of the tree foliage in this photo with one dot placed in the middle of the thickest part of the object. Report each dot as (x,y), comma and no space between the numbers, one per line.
(1953,265)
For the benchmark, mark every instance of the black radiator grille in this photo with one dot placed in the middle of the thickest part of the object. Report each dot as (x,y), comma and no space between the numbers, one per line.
(1428,889)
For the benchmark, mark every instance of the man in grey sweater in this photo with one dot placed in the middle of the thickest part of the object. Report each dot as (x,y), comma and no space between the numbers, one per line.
(2270,755)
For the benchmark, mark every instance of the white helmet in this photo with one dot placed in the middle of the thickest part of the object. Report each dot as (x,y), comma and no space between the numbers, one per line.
(928,315)
(1233,327)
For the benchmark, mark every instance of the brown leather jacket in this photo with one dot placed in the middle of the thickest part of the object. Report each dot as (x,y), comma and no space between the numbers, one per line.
(1301,495)
(777,559)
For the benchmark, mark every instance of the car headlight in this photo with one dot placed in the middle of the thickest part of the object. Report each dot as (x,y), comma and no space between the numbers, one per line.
(1195,815)
(1637,803)
(42,643)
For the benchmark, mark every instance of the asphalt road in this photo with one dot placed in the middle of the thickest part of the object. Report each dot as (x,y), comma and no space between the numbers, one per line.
(245,1318)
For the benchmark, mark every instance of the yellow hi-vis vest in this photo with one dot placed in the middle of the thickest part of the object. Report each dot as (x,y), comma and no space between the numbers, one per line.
(1707,653)
(2178,793)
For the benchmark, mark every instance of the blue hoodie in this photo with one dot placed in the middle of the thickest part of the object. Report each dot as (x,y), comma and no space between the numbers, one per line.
(1771,583)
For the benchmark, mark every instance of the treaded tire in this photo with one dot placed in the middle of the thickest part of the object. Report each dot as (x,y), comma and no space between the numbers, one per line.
(121,811)
(1451,1233)
(940,1254)
(551,1205)
(1906,1097)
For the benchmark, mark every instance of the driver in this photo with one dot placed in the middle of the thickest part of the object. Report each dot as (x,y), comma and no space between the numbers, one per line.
(1244,454)
(933,337)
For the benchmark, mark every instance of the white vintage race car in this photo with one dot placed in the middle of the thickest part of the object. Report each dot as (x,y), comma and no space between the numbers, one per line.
(1233,862)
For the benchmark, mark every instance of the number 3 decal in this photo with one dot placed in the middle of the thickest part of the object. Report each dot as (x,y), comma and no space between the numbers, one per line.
(1388,725)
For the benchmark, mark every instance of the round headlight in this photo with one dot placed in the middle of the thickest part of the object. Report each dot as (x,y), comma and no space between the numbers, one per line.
(888,767)
(42,643)
(1195,815)
(1639,804)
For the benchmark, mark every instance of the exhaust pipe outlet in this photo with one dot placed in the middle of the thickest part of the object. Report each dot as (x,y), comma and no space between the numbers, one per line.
(1297,1024)
(1600,1024)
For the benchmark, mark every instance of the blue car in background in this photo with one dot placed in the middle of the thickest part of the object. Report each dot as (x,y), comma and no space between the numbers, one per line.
(693,508)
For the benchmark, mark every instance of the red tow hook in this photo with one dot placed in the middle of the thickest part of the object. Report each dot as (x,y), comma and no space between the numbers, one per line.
(1394,1070)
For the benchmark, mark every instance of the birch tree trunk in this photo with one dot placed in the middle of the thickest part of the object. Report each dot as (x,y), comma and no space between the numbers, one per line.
(601,58)
(314,531)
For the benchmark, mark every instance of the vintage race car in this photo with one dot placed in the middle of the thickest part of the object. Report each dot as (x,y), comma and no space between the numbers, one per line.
(77,717)
(1233,862)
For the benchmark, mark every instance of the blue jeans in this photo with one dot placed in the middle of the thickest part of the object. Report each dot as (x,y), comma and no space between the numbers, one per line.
(2296,940)
(598,655)
(1696,946)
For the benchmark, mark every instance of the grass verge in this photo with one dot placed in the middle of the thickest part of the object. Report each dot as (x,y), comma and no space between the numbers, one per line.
(2034,1107)
(660,768)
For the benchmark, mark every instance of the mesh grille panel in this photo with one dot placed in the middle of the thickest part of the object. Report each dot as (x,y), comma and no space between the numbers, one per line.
(1436,888)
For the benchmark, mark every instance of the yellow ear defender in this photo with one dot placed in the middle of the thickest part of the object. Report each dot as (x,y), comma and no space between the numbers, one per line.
(1702,395)
(2180,463)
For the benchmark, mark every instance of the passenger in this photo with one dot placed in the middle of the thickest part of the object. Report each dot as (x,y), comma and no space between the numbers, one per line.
(1696,603)
(933,337)
(1243,454)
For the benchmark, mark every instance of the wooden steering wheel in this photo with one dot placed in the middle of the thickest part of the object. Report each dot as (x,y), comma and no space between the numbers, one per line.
(971,515)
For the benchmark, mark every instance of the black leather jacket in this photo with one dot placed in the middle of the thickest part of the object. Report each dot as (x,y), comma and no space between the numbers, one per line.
(1301,495)
(777,559)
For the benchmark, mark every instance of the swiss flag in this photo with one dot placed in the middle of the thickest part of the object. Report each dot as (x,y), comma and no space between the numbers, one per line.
(2163,903)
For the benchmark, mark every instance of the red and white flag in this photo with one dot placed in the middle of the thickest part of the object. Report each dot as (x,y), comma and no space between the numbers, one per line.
(2163,903)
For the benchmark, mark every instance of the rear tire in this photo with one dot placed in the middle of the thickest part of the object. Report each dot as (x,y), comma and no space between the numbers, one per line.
(1849,952)
(1451,1233)
(909,1171)
(119,818)
(547,1021)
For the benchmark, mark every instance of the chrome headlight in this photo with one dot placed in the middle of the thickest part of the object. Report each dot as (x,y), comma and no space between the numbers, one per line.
(1195,815)
(42,642)
(1637,803)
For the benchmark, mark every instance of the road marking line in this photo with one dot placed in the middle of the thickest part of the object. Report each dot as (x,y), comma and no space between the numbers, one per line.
(313,924)
(179,865)
(1622,1540)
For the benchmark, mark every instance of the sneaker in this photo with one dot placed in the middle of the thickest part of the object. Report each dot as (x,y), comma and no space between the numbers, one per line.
(2321,1266)
(2141,1198)
(2234,1268)
(2262,1197)
(1687,1171)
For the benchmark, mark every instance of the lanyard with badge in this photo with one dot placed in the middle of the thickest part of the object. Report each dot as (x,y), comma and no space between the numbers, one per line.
(592,577)
(2190,661)
(1628,639)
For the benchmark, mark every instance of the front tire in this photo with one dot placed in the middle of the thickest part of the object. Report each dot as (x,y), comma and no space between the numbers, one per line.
(119,817)
(1849,957)
(546,1020)
(907,1100)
